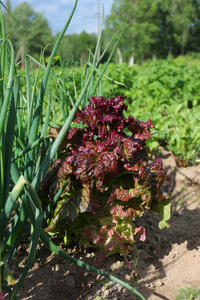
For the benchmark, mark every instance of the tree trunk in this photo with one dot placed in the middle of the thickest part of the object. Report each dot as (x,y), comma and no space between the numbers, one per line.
(120,56)
(154,56)
(20,53)
(170,48)
(182,44)
(131,61)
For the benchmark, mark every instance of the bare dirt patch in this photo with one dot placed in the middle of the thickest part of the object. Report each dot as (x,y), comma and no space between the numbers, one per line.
(169,258)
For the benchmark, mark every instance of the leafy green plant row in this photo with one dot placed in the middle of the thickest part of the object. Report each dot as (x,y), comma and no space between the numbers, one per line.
(166,91)
(26,151)
(174,79)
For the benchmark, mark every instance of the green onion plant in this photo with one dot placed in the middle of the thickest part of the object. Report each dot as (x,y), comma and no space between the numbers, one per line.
(26,151)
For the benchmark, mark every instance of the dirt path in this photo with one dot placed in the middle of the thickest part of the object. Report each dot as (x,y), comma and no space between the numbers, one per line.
(169,260)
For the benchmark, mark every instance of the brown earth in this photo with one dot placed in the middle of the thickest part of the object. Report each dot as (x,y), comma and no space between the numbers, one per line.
(169,259)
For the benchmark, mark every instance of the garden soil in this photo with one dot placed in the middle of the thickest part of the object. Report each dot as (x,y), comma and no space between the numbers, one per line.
(168,260)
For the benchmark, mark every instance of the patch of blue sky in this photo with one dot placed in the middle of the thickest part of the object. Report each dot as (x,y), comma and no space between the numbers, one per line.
(58,11)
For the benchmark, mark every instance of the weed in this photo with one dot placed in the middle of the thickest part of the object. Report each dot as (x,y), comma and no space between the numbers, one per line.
(188,294)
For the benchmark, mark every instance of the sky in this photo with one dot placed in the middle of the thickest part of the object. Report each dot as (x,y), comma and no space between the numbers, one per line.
(58,11)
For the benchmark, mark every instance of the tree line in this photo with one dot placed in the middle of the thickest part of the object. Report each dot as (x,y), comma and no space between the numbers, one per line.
(155,29)
(33,34)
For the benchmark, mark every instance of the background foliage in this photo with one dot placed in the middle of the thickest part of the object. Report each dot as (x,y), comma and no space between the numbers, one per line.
(171,86)
(155,29)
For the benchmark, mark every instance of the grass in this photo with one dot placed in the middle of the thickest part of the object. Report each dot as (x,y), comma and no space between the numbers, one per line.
(188,293)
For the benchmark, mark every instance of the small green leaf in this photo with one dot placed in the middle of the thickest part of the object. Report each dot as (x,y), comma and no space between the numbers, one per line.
(165,212)
(65,237)
(103,282)
(7,275)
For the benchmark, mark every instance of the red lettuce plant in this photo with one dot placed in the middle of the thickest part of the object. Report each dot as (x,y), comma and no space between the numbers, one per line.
(108,180)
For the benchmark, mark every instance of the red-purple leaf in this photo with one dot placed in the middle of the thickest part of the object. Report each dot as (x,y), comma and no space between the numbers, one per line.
(2,296)
(107,176)
(140,232)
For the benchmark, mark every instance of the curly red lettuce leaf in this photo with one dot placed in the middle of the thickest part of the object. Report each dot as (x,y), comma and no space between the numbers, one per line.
(109,180)
(104,116)
(69,208)
(114,237)
(91,167)
(140,130)
(72,140)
